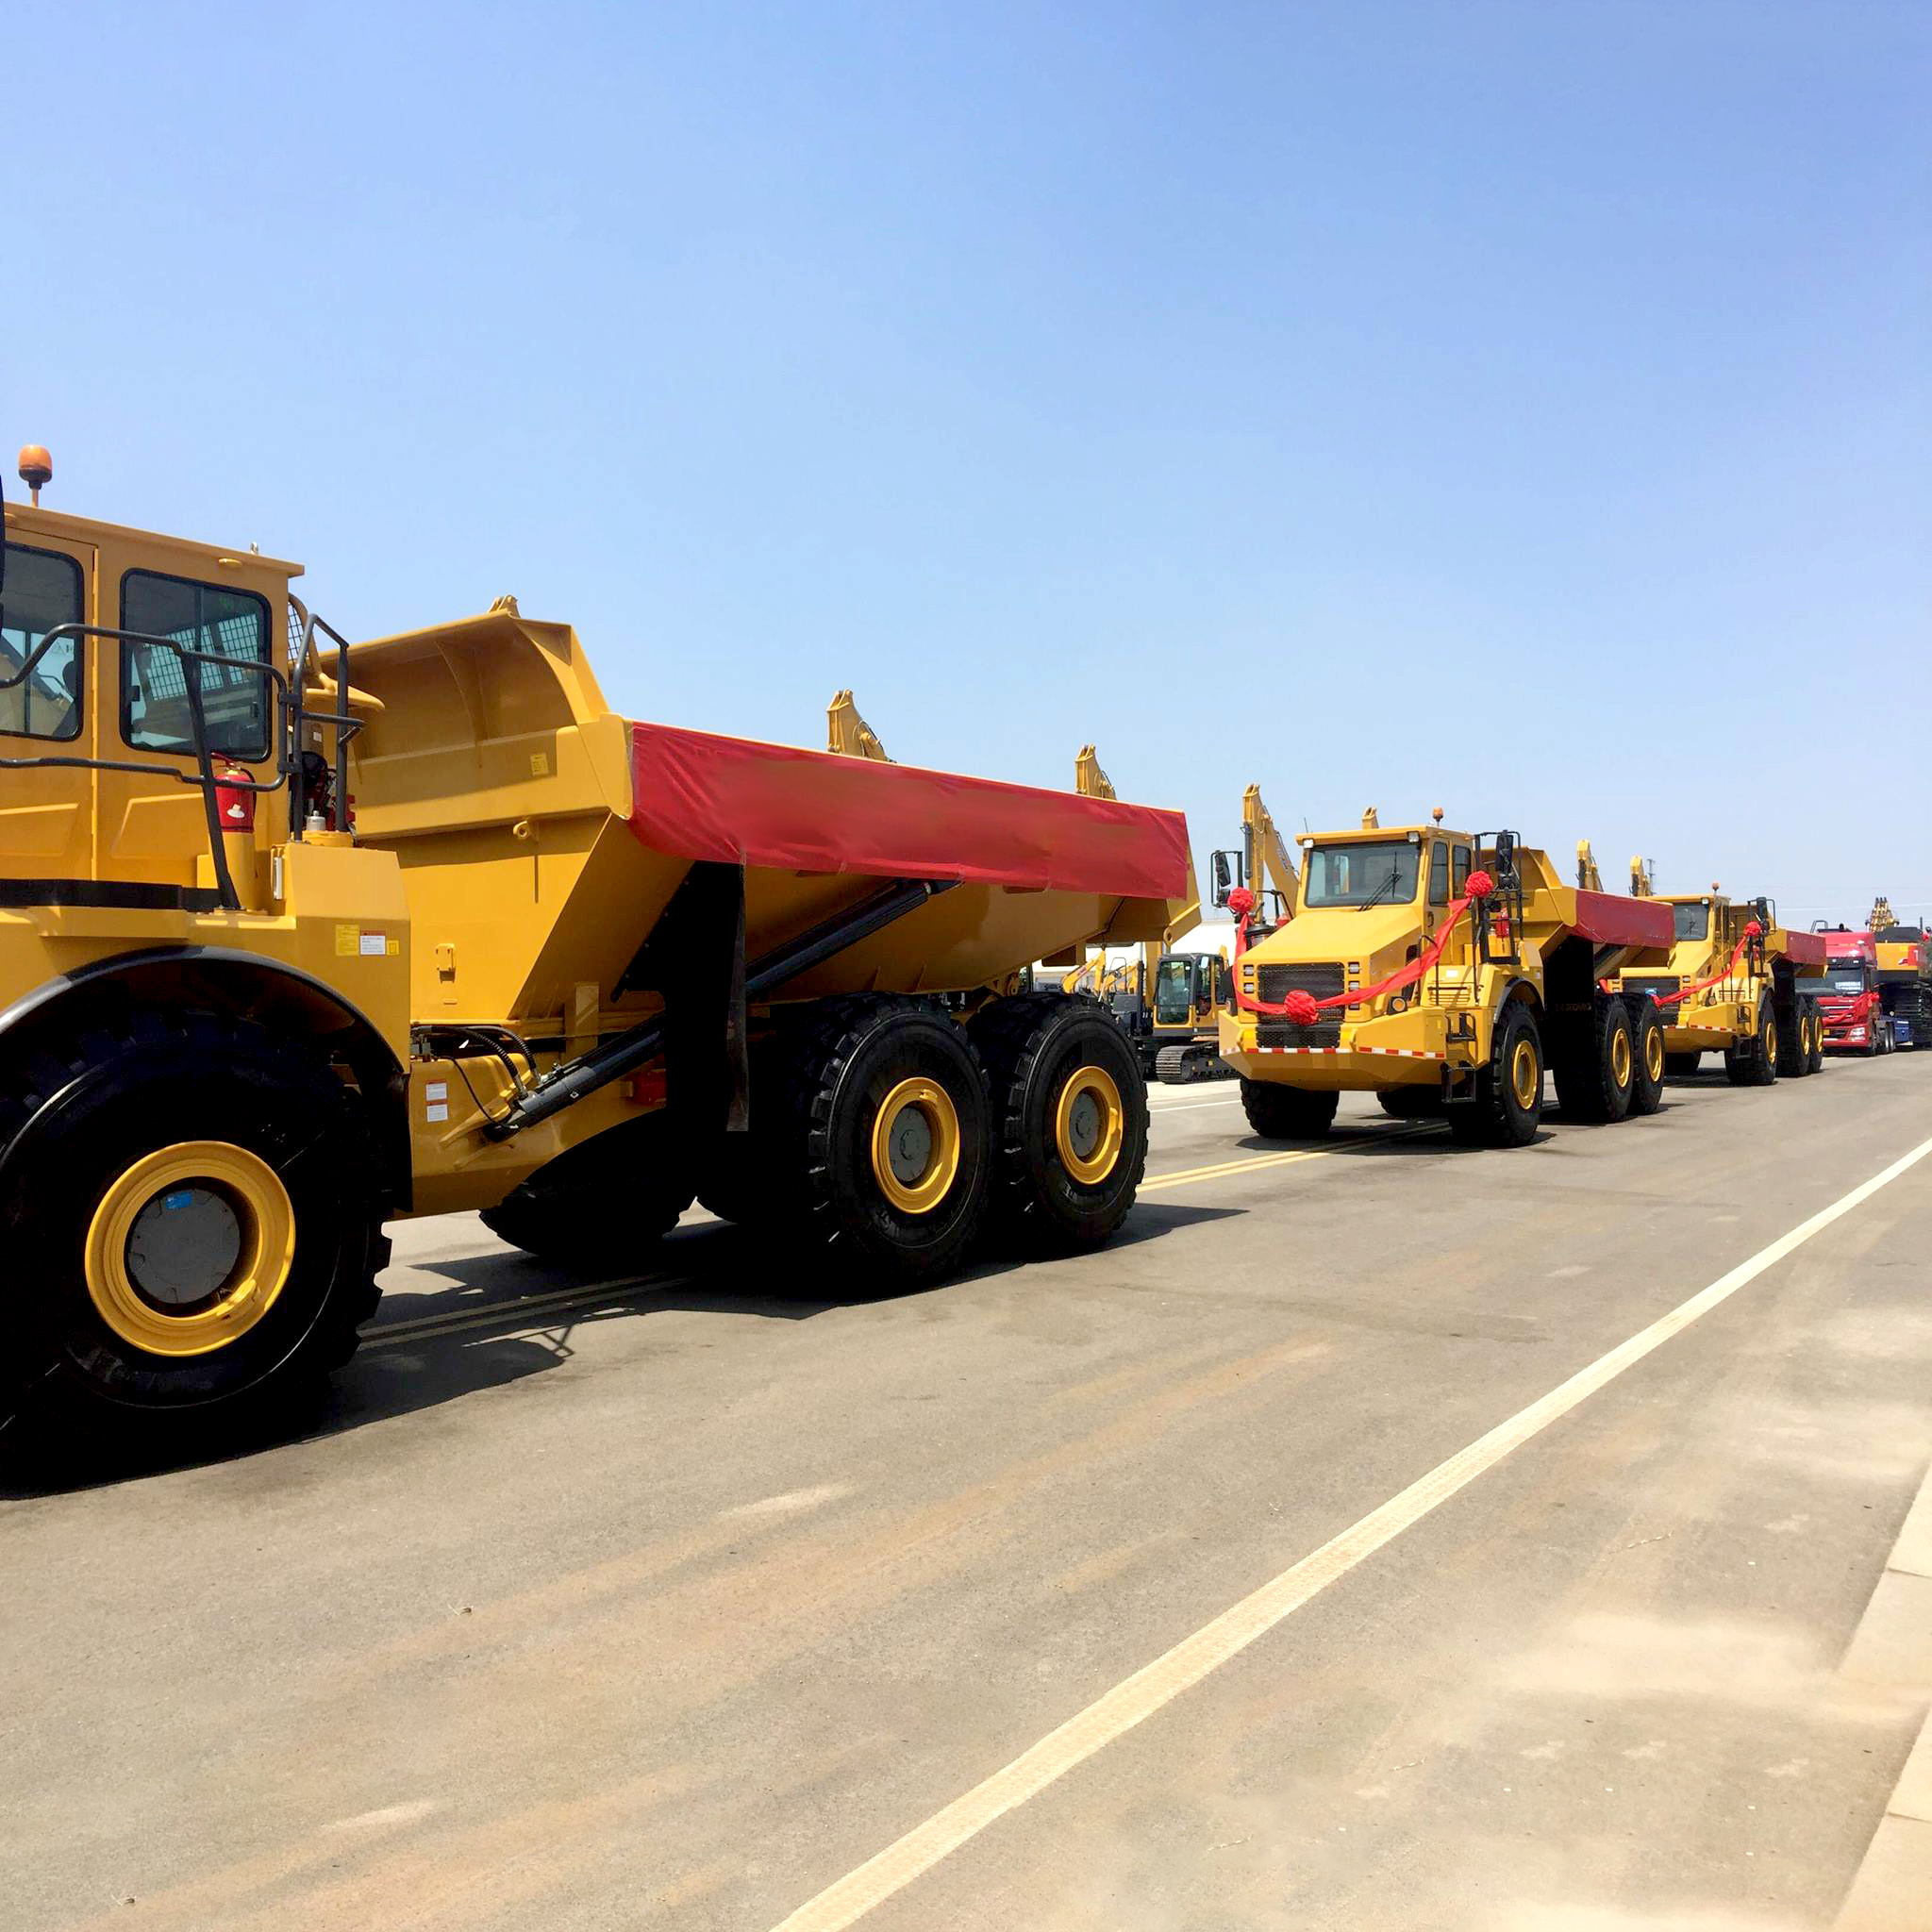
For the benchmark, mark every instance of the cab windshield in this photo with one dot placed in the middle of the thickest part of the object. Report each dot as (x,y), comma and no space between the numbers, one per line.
(1694,921)
(1381,872)
(1841,976)
(1174,992)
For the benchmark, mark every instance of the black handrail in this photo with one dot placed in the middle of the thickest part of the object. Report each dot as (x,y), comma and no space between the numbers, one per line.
(346,725)
(203,775)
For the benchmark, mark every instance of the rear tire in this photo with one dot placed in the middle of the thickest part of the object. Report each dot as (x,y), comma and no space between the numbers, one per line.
(1411,1103)
(1595,1072)
(259,1147)
(1678,1065)
(1815,1058)
(1069,1120)
(604,1203)
(893,1197)
(1278,1112)
(1793,1044)
(1647,1053)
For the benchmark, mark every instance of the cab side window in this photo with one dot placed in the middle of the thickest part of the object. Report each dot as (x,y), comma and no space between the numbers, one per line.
(154,681)
(1438,875)
(44,590)
(1460,876)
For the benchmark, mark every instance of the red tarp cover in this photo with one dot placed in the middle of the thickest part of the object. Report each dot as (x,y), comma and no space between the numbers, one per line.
(740,801)
(1610,918)
(1805,948)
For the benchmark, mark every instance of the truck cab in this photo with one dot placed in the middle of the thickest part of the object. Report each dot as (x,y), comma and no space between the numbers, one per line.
(101,627)
(1849,999)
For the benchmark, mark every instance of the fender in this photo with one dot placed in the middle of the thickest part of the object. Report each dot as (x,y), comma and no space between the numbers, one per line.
(243,983)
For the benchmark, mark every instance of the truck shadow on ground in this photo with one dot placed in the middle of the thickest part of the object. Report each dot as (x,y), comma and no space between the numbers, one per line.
(502,1318)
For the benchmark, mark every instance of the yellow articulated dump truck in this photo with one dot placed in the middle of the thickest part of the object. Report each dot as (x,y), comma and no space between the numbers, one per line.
(298,936)
(1445,972)
(1728,982)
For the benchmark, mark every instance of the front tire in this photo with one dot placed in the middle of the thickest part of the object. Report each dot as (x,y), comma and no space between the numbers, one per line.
(1509,1104)
(194,1221)
(1814,1061)
(1754,1062)
(1679,1065)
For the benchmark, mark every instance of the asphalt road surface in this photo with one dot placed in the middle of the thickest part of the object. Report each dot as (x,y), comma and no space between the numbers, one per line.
(1316,1555)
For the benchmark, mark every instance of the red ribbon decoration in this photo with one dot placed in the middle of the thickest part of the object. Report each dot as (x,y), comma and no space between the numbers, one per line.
(1303,1008)
(1858,1008)
(1752,931)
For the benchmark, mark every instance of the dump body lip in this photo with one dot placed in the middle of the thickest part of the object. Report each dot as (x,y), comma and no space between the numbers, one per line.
(1612,919)
(699,795)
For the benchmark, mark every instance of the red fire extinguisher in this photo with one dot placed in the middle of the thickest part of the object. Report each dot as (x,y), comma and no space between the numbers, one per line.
(235,797)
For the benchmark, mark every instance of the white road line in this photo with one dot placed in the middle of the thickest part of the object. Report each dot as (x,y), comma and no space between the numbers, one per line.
(1157,1684)
(1188,1105)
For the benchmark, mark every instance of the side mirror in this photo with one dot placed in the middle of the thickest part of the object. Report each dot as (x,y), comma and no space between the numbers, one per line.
(1223,877)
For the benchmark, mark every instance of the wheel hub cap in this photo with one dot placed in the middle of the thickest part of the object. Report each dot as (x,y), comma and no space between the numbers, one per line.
(1524,1073)
(188,1247)
(183,1246)
(915,1145)
(1090,1126)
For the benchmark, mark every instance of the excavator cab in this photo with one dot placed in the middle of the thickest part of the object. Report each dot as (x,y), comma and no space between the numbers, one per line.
(1190,989)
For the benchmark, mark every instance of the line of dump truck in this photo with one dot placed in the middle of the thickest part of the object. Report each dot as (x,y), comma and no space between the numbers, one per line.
(298,936)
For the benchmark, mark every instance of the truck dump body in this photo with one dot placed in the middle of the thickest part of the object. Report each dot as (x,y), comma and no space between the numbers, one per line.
(1609,919)
(743,802)
(1037,869)
(541,837)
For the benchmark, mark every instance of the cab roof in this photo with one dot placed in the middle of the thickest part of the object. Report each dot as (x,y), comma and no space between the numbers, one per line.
(26,521)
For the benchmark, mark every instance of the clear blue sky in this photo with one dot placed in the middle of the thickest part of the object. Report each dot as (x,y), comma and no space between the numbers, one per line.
(1517,408)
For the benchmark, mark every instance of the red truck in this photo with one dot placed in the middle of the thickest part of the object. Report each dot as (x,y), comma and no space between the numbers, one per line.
(1848,995)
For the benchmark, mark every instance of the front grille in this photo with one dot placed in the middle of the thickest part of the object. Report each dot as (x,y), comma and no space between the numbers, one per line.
(1655,984)
(1274,983)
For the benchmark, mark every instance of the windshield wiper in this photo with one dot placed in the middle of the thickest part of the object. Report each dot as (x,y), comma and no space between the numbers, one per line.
(1388,885)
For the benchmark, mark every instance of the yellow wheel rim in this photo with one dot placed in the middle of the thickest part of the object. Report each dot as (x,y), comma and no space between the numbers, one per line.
(190,1248)
(1525,1074)
(1620,1058)
(1654,1054)
(915,1145)
(1089,1125)
(1771,1047)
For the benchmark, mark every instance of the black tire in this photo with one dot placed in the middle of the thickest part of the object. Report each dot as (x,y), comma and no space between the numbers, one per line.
(1035,1049)
(1500,1115)
(82,1111)
(1596,1073)
(1814,1061)
(1793,1047)
(1678,1065)
(604,1203)
(1411,1103)
(1754,1062)
(846,1058)
(1277,1112)
(1647,1053)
